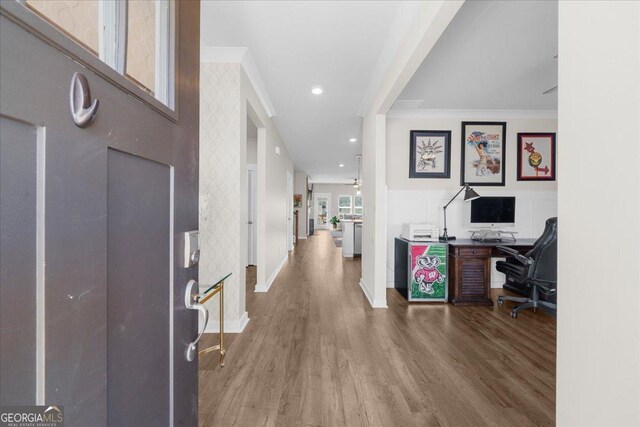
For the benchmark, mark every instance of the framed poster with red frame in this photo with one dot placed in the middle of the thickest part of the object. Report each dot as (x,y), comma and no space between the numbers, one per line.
(536,156)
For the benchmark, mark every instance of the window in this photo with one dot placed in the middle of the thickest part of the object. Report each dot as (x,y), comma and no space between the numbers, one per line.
(76,18)
(134,37)
(141,43)
(344,206)
(357,203)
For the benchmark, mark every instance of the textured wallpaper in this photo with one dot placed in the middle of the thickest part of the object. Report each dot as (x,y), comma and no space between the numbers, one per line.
(79,18)
(141,42)
(220,209)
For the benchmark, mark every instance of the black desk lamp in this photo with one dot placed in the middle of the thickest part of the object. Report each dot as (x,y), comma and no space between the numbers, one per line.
(469,194)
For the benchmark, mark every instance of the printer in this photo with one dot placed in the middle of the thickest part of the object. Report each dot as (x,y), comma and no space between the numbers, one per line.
(421,232)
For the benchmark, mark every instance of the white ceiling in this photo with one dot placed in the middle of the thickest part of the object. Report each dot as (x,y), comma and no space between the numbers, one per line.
(300,44)
(494,55)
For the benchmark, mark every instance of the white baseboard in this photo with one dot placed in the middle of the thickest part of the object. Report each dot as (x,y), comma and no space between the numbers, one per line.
(264,287)
(379,303)
(302,237)
(230,326)
(391,284)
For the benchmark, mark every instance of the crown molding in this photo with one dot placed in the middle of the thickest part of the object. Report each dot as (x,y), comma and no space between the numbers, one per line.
(239,55)
(473,114)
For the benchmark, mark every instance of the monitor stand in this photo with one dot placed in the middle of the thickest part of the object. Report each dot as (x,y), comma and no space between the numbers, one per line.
(491,235)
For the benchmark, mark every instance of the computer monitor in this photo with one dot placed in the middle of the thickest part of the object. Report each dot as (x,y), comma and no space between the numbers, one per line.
(493,212)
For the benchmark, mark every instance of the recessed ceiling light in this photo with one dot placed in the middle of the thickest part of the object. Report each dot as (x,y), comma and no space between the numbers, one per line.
(353,140)
(341,165)
(316,90)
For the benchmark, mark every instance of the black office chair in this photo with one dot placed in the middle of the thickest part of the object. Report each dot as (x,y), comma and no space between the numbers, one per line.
(537,269)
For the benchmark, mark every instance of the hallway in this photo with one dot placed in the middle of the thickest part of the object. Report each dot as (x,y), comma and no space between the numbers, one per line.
(315,353)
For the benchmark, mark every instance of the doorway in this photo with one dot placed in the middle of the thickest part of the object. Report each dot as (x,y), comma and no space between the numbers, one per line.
(290,222)
(252,214)
(252,201)
(321,209)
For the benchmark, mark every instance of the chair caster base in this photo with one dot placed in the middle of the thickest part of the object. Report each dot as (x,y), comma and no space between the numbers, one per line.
(514,314)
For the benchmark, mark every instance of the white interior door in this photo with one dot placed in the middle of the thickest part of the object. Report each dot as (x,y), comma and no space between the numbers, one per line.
(252,214)
(321,210)
(289,212)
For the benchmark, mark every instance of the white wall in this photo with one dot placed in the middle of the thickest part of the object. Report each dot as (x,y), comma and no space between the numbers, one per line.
(300,187)
(252,151)
(598,356)
(421,200)
(273,200)
(226,98)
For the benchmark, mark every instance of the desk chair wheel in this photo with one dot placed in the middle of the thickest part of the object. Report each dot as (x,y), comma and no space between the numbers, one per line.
(514,314)
(500,300)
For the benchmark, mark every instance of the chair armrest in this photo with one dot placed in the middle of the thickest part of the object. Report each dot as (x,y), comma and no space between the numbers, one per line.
(549,284)
(515,254)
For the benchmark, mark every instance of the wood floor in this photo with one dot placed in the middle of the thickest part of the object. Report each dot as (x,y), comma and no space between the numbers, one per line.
(316,354)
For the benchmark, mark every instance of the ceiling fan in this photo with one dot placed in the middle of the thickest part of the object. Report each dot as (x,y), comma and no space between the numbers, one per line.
(552,89)
(356,182)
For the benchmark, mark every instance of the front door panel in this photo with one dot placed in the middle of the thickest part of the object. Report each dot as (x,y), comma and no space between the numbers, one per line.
(138,290)
(18,198)
(75,215)
(88,264)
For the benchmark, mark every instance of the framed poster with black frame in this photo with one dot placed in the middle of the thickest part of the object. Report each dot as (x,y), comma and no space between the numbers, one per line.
(430,154)
(536,156)
(483,153)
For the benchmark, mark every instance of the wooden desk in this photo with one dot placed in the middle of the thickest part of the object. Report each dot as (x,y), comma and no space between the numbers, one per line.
(470,269)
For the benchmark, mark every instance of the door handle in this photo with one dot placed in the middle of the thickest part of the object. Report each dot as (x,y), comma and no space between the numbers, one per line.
(83,110)
(250,222)
(190,303)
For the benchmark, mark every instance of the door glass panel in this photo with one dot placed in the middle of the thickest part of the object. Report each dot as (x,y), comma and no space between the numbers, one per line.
(141,42)
(77,18)
(322,211)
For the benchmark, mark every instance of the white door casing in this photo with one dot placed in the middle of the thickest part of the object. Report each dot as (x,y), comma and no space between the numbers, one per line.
(289,205)
(252,215)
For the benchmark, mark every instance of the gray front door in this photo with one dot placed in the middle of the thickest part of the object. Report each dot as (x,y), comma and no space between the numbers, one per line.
(92,314)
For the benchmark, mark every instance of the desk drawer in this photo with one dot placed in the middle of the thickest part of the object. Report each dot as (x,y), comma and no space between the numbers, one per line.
(473,252)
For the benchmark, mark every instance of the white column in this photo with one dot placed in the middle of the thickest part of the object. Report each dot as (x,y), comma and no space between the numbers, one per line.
(598,359)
